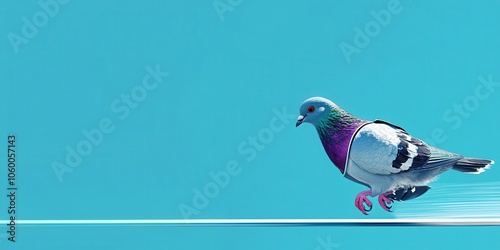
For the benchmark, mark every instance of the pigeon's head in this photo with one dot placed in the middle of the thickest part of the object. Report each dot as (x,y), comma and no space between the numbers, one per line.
(314,109)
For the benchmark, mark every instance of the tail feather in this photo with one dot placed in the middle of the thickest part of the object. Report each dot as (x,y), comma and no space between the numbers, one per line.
(472,165)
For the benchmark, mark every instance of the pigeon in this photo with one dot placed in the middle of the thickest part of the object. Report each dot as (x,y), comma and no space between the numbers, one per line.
(382,156)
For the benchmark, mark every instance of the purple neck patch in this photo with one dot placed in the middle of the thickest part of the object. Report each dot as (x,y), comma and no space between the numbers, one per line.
(336,140)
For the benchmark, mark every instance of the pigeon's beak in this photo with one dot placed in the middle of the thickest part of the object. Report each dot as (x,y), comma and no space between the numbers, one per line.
(300,119)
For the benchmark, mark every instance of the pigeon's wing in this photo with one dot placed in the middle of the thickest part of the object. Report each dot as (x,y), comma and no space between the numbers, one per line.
(383,148)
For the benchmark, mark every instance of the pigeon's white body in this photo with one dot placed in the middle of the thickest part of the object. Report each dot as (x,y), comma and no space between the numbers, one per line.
(395,165)
(371,157)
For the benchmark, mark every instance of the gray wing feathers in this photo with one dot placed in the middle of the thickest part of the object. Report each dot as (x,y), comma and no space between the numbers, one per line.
(383,149)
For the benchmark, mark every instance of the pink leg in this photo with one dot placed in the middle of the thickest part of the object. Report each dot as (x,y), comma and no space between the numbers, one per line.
(361,200)
(384,201)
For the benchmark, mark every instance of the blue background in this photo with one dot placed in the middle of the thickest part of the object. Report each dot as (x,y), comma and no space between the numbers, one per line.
(226,78)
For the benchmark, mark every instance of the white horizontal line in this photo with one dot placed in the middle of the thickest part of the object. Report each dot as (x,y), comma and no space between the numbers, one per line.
(272,222)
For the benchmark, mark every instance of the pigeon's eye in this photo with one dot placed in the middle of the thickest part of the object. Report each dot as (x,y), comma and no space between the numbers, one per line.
(310,109)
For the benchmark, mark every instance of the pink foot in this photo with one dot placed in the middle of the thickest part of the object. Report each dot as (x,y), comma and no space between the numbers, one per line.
(384,201)
(361,200)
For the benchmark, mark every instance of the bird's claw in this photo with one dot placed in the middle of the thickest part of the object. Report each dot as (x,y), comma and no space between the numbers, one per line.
(387,207)
(364,208)
(364,205)
(361,200)
(370,206)
(385,202)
